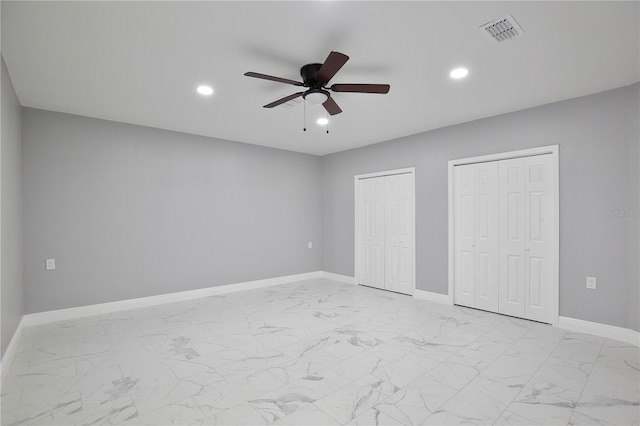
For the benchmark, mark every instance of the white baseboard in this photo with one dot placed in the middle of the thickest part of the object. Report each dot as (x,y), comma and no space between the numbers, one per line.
(337,277)
(431,297)
(8,355)
(122,305)
(602,330)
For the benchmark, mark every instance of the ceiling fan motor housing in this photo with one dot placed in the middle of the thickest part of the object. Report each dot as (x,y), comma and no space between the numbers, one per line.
(316,94)
(309,74)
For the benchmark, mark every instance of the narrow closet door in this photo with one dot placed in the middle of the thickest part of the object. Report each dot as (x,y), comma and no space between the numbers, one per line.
(464,234)
(512,237)
(487,236)
(399,233)
(538,216)
(526,213)
(372,232)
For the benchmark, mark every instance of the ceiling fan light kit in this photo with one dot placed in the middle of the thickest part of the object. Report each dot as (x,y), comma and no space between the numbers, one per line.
(316,77)
(316,96)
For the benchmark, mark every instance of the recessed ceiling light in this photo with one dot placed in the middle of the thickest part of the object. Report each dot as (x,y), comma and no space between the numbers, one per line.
(459,73)
(322,121)
(205,90)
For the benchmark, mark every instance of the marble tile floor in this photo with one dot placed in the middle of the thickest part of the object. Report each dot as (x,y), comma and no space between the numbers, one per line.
(316,352)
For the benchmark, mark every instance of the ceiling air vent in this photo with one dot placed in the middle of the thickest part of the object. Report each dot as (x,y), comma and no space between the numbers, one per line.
(293,103)
(502,29)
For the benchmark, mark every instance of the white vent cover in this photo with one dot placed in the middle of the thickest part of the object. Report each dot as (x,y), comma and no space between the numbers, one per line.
(293,102)
(502,29)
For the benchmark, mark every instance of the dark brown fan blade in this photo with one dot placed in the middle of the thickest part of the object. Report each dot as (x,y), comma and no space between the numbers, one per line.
(272,78)
(283,100)
(361,88)
(331,66)
(331,106)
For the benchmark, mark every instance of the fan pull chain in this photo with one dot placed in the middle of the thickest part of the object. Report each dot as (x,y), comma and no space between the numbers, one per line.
(327,122)
(304,122)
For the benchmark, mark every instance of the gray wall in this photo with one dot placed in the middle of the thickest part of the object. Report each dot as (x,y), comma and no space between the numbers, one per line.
(130,211)
(595,135)
(634,206)
(11,301)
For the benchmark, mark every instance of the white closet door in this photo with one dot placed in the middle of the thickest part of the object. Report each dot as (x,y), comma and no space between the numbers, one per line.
(399,233)
(538,216)
(372,232)
(476,235)
(464,234)
(526,213)
(487,236)
(512,237)
(505,236)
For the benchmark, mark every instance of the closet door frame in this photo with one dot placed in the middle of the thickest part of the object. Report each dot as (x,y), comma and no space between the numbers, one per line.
(554,294)
(356,180)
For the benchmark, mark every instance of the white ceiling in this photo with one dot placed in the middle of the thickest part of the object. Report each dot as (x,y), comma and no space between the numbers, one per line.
(140,62)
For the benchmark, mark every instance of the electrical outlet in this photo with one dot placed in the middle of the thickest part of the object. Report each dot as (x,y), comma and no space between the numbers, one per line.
(310,245)
(50,264)
(591,283)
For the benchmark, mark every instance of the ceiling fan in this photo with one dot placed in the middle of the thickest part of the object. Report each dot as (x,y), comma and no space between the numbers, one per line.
(316,77)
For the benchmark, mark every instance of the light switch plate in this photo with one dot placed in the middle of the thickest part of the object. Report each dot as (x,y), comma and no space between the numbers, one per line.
(591,283)
(50,264)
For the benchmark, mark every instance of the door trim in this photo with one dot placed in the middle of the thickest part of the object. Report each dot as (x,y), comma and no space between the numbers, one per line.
(356,179)
(553,150)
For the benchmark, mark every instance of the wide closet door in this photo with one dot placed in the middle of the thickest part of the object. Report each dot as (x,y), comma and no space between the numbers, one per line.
(386,232)
(502,236)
